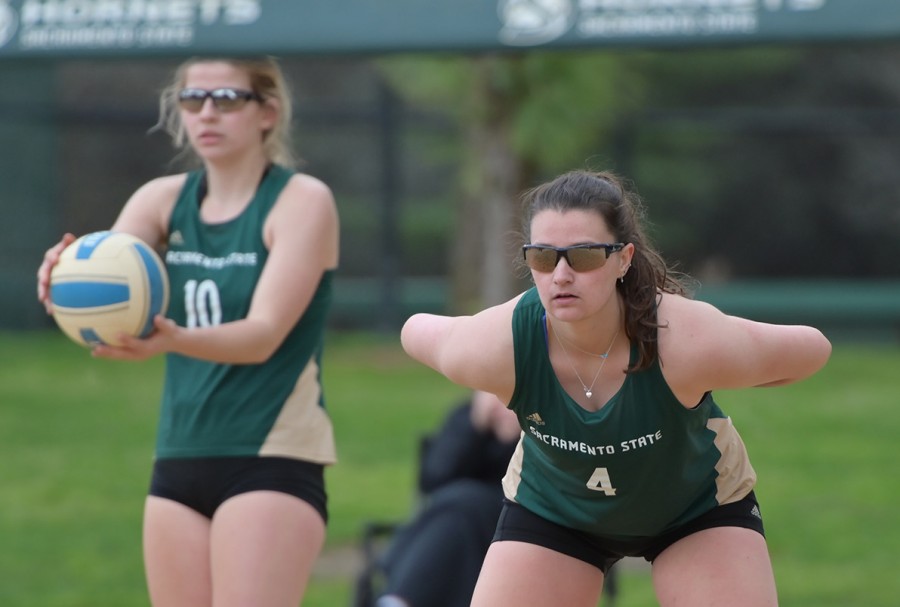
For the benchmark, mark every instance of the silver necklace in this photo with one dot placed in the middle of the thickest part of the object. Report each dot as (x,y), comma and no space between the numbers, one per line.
(588,391)
(582,350)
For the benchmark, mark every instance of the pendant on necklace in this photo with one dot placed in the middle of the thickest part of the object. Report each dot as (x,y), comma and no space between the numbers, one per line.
(588,392)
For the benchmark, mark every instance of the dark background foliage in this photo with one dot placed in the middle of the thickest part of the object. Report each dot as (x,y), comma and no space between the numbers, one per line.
(753,163)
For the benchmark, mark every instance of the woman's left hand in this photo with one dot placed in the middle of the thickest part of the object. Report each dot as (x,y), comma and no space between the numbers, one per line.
(141,348)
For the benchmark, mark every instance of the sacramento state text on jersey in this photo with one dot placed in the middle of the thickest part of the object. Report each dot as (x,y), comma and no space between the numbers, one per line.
(194,258)
(580,447)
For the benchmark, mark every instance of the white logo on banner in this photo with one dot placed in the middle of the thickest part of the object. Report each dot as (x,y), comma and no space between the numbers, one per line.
(535,22)
(528,22)
(8,23)
(795,5)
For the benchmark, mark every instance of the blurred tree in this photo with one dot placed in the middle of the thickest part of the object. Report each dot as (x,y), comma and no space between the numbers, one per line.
(520,116)
(762,162)
(773,162)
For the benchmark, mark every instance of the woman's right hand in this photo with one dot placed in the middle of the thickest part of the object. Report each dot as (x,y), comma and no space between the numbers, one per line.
(51,257)
(489,414)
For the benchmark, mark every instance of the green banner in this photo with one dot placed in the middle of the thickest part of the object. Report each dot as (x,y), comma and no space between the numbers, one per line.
(97,28)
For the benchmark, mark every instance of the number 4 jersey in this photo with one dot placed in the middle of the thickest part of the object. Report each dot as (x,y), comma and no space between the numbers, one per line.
(273,408)
(641,465)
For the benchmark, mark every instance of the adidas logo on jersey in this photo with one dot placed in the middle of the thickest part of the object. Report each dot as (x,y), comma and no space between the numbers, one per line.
(536,418)
(175,238)
(755,512)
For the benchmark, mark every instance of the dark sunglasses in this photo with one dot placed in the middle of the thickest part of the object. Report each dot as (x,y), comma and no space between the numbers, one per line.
(581,257)
(225,99)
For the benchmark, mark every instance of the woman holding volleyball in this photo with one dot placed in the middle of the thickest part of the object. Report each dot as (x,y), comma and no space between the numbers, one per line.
(236,511)
(611,369)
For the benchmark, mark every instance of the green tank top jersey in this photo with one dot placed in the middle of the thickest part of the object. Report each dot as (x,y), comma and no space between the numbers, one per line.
(640,466)
(274,408)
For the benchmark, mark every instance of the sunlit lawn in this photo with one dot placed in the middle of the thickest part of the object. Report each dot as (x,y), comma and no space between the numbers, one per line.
(76,439)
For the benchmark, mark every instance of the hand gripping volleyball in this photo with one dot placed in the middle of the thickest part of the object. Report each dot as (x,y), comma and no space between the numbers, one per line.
(107,283)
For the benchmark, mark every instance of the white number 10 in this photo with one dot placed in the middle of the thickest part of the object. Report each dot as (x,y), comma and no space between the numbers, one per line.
(202,304)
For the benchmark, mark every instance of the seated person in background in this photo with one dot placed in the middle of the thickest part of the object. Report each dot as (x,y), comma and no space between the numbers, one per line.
(434,560)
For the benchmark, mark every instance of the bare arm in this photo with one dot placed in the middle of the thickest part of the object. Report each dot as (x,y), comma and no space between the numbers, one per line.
(145,215)
(704,349)
(301,232)
(473,351)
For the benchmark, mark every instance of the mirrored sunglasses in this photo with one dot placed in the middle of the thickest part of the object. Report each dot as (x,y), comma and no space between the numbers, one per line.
(224,99)
(581,257)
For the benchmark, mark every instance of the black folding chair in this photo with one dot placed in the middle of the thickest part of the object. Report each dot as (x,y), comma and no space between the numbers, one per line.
(376,538)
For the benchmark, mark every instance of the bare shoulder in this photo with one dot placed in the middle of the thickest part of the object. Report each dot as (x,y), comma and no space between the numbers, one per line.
(165,188)
(683,317)
(308,200)
(702,348)
(304,222)
(158,195)
(146,214)
(309,188)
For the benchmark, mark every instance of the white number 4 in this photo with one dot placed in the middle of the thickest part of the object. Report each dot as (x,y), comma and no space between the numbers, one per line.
(599,481)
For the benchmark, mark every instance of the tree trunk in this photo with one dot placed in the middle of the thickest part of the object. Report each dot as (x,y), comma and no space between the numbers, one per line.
(488,242)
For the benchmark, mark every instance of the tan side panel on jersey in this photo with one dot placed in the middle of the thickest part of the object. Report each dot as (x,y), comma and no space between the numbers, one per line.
(513,475)
(303,429)
(736,475)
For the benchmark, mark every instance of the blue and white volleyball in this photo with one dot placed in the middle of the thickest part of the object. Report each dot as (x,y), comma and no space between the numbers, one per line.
(107,283)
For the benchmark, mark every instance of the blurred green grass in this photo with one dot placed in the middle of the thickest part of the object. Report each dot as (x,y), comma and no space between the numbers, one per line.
(76,439)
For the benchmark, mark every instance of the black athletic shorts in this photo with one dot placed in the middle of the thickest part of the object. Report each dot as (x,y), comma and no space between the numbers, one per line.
(203,484)
(519,524)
